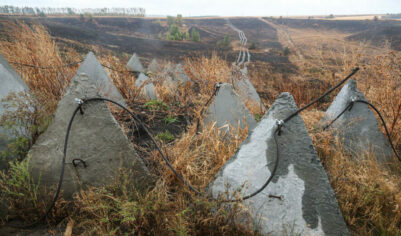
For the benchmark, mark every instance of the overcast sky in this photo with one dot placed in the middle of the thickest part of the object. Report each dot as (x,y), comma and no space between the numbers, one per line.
(230,7)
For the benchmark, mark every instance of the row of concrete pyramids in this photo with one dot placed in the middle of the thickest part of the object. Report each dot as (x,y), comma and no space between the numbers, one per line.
(299,198)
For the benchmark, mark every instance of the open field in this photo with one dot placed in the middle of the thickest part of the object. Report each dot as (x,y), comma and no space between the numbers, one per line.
(319,54)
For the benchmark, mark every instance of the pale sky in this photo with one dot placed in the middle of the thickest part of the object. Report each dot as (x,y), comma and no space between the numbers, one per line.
(230,7)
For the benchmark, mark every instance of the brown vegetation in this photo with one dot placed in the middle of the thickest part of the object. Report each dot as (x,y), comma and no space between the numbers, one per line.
(369,194)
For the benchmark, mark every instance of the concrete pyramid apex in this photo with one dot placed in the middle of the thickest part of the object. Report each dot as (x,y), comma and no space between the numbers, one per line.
(154,66)
(179,75)
(94,70)
(246,90)
(95,137)
(149,91)
(142,78)
(228,109)
(134,64)
(357,128)
(299,199)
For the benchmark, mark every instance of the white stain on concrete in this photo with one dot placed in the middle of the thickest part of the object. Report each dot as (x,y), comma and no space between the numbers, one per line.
(271,215)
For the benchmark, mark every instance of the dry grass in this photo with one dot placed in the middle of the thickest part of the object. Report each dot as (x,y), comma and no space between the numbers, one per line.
(170,208)
(32,44)
(369,195)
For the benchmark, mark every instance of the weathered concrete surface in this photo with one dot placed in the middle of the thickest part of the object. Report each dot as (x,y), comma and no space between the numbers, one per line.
(95,138)
(228,109)
(180,74)
(149,91)
(247,91)
(308,205)
(358,128)
(94,70)
(142,78)
(134,64)
(10,82)
(14,74)
(154,66)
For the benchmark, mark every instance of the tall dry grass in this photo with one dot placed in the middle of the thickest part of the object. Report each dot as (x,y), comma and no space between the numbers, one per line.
(369,194)
(33,45)
(117,208)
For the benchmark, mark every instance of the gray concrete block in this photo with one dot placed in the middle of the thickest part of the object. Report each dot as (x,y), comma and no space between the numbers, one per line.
(95,138)
(149,91)
(10,82)
(142,78)
(357,128)
(94,70)
(228,109)
(134,64)
(308,205)
(154,66)
(247,91)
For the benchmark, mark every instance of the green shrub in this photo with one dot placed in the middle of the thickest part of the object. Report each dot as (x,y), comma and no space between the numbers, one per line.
(252,46)
(170,120)
(195,36)
(165,137)
(25,118)
(226,40)
(156,105)
(286,51)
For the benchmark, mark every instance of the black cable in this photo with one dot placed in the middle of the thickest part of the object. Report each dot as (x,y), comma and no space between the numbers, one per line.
(56,195)
(276,132)
(79,108)
(216,90)
(108,67)
(322,96)
(339,115)
(349,107)
(45,68)
(151,137)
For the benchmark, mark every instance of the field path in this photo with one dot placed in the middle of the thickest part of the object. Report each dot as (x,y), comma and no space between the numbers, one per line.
(284,37)
(244,52)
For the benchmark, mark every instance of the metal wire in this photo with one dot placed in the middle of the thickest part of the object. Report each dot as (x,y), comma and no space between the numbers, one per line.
(84,101)
(45,68)
(349,107)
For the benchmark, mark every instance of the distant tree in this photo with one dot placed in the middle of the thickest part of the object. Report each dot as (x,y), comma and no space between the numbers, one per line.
(170,20)
(187,37)
(226,40)
(375,18)
(331,16)
(286,51)
(70,11)
(252,46)
(81,17)
(174,33)
(195,36)
(179,20)
(41,14)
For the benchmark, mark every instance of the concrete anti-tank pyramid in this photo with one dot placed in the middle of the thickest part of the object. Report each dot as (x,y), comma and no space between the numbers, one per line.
(134,64)
(95,137)
(228,109)
(94,70)
(299,199)
(358,127)
(154,66)
(10,82)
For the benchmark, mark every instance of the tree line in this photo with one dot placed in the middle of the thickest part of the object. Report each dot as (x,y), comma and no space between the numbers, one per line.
(40,11)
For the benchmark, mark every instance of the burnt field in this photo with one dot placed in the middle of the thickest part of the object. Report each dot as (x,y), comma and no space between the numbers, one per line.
(146,37)
(375,32)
